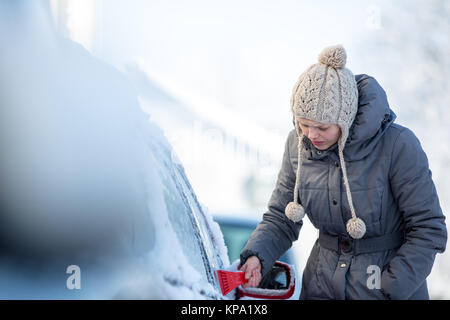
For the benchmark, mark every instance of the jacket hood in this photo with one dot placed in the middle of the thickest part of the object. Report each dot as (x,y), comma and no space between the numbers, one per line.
(373,118)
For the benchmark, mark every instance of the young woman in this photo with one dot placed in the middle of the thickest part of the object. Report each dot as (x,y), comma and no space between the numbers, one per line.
(363,181)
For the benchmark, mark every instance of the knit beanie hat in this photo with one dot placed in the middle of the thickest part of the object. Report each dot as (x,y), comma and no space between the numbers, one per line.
(327,93)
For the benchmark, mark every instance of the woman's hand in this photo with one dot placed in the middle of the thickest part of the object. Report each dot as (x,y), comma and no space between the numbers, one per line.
(252,269)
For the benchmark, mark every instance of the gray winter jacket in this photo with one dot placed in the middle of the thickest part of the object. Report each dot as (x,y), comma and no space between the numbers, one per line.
(393,193)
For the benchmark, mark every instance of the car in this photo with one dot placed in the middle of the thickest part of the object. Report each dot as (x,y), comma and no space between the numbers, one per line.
(94,201)
(173,252)
(236,230)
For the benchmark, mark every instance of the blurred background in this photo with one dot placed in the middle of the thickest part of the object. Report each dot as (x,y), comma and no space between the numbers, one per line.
(217,77)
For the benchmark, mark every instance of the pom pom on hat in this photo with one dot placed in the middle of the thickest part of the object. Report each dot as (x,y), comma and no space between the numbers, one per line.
(294,211)
(334,56)
(356,228)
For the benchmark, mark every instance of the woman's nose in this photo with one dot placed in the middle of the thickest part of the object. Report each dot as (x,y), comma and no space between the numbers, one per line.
(313,133)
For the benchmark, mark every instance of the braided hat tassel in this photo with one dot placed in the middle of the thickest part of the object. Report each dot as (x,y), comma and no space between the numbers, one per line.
(294,210)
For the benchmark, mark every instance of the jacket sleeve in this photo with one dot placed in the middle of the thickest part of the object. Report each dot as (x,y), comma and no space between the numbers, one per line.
(275,233)
(425,230)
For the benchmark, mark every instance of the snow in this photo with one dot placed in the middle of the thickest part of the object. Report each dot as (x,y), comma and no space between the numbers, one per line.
(217,237)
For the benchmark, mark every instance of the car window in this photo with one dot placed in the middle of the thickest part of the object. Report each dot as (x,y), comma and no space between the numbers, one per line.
(181,214)
(212,261)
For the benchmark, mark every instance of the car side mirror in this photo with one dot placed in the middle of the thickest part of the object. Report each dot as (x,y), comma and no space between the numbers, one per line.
(277,284)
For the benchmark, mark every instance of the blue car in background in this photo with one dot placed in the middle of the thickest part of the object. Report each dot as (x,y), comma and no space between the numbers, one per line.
(236,232)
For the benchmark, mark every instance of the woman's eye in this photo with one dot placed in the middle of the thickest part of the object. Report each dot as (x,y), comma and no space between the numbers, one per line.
(307,126)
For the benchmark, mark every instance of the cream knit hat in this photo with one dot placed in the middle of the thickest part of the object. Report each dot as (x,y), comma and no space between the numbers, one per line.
(327,93)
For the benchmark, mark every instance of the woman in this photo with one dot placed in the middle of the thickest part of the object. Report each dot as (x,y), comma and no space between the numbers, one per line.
(363,181)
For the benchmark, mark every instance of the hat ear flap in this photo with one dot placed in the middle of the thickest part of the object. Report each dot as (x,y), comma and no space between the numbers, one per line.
(299,134)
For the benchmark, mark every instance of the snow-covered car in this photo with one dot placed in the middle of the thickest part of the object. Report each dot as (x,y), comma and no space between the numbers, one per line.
(93,201)
(171,250)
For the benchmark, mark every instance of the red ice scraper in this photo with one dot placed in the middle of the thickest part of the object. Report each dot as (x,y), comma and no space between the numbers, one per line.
(230,279)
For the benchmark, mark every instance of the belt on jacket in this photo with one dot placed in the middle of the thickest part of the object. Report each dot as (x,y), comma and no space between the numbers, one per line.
(342,244)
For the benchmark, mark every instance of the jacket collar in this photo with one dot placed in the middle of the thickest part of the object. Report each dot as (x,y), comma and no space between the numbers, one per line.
(312,153)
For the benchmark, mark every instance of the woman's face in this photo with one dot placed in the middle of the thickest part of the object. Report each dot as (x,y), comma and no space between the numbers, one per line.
(321,135)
